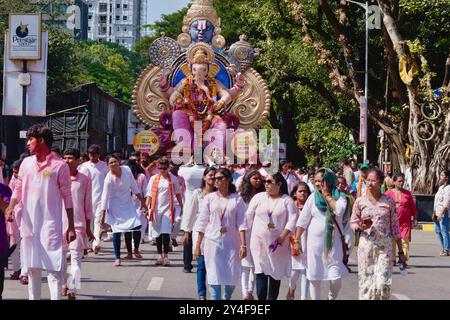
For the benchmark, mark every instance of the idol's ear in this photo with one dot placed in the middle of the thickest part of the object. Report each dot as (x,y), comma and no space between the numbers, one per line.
(213,70)
(186,70)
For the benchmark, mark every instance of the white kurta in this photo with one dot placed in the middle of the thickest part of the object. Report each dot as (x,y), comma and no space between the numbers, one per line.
(248,260)
(162,223)
(193,177)
(141,182)
(191,214)
(116,199)
(299,262)
(97,173)
(223,265)
(313,220)
(275,264)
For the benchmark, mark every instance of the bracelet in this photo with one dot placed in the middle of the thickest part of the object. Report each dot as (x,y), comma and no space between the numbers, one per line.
(244,246)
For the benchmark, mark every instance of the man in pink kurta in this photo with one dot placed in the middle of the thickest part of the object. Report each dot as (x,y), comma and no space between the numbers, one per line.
(82,216)
(43,185)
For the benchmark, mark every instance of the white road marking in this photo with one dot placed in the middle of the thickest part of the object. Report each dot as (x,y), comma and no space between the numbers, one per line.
(155,284)
(399,296)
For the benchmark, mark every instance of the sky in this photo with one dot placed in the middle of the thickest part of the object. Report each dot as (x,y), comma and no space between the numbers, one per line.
(158,7)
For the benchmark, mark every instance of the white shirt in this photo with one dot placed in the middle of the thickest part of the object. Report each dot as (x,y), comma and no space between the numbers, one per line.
(97,173)
(193,177)
(442,199)
(162,222)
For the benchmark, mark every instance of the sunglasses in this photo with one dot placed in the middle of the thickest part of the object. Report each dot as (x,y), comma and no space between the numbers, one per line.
(269,181)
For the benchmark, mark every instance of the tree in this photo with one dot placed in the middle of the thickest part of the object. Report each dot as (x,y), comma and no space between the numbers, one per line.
(395,105)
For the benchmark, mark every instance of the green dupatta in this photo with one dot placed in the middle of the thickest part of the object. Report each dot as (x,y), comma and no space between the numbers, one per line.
(332,182)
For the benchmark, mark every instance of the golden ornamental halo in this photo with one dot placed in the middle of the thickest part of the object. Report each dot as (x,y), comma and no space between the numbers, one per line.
(200,53)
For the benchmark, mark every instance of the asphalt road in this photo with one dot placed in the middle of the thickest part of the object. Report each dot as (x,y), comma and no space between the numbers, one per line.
(428,277)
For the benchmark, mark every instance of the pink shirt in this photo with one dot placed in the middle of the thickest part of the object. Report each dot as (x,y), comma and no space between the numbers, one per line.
(43,188)
(82,200)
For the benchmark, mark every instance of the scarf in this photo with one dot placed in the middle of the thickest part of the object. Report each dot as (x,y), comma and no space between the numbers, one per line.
(155,197)
(331,180)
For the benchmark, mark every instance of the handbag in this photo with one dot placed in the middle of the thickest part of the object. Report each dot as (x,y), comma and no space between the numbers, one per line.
(344,245)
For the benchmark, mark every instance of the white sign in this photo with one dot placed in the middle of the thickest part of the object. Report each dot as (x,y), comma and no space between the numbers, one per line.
(25,36)
(36,91)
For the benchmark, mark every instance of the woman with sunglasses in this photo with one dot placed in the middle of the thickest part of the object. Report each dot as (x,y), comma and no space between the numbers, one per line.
(163,188)
(252,184)
(274,216)
(117,206)
(222,225)
(189,218)
(321,218)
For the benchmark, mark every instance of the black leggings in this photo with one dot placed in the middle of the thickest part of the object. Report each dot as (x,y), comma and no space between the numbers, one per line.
(136,235)
(2,278)
(267,283)
(163,239)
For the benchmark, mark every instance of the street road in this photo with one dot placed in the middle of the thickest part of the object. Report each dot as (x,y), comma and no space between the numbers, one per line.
(428,277)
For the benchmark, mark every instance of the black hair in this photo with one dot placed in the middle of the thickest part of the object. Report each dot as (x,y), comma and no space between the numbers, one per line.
(207,170)
(447,174)
(300,184)
(345,162)
(278,177)
(56,150)
(16,164)
(398,175)
(39,131)
(84,156)
(227,174)
(136,169)
(136,154)
(72,152)
(95,149)
(114,155)
(246,189)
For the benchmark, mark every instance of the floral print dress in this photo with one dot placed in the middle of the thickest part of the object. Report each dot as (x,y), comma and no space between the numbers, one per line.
(375,246)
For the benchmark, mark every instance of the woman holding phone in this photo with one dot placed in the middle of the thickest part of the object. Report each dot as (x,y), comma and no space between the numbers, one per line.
(375,216)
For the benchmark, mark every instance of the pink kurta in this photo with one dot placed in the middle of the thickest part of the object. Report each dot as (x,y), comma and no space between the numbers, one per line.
(82,208)
(223,265)
(406,209)
(275,264)
(42,188)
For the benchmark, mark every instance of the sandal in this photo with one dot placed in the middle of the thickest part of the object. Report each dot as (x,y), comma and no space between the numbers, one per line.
(24,280)
(117,263)
(129,256)
(71,296)
(15,275)
(444,253)
(137,255)
(290,295)
(159,262)
(64,291)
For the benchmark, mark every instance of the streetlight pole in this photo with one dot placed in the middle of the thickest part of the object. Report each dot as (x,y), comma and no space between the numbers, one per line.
(366,73)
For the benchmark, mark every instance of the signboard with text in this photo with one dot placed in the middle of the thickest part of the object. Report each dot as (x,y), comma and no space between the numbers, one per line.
(25,36)
(146,142)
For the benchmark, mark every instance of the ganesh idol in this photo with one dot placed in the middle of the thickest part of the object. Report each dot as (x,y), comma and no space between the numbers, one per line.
(196,80)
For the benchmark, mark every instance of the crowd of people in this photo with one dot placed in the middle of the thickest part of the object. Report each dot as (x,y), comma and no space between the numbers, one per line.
(241,224)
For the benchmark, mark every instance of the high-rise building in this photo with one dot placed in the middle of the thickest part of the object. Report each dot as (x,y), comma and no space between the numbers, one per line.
(145,18)
(114,21)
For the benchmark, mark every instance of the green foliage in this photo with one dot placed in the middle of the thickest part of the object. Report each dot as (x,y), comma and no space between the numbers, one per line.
(326,142)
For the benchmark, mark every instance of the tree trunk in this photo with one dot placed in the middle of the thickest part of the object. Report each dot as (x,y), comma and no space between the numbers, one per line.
(428,156)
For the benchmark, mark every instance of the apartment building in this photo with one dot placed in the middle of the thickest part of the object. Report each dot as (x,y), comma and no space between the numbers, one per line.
(114,21)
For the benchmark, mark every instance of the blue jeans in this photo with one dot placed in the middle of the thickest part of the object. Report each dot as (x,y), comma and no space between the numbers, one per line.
(216,292)
(441,228)
(201,276)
